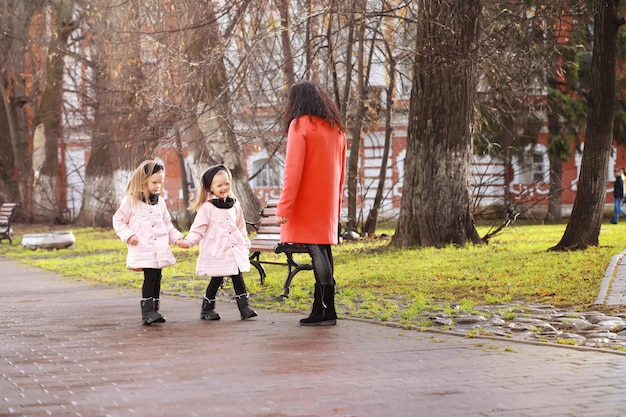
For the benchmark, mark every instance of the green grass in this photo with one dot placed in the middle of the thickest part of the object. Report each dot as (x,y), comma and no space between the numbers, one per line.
(374,280)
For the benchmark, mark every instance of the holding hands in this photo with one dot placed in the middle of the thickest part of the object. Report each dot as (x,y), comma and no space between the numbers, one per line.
(182,243)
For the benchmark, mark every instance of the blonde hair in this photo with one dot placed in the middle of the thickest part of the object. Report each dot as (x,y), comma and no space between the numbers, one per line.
(137,187)
(205,186)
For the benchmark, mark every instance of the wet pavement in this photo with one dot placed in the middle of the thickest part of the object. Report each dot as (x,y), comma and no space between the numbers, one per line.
(69,348)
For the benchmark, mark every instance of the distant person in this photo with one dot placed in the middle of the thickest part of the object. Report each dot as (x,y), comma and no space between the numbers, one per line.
(143,222)
(618,195)
(309,208)
(220,229)
(623,175)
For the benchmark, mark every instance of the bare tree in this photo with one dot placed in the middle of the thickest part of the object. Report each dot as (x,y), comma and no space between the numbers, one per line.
(357,116)
(50,187)
(121,137)
(211,97)
(371,222)
(17,100)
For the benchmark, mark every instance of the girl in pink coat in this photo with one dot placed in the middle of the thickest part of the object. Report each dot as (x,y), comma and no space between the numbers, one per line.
(220,230)
(309,208)
(144,224)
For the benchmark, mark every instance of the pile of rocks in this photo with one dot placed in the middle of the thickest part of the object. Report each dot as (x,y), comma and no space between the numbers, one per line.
(540,323)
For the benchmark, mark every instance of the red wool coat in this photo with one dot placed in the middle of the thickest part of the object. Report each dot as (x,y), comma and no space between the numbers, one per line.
(315,167)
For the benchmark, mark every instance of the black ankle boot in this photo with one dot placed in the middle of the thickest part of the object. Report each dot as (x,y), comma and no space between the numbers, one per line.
(244,308)
(148,312)
(157,304)
(316,309)
(325,314)
(208,310)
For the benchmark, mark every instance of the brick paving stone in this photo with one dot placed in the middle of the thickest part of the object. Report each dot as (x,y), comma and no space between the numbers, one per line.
(69,348)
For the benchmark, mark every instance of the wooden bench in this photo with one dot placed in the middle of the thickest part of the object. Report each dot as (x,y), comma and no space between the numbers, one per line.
(267,239)
(7,213)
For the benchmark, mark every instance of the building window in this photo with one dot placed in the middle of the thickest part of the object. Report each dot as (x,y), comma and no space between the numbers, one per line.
(534,168)
(266,172)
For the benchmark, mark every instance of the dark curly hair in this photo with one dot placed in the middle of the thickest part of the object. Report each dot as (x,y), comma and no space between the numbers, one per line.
(308,99)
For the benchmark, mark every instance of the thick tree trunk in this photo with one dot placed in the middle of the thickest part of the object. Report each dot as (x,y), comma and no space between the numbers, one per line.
(436,201)
(50,187)
(121,137)
(15,17)
(10,188)
(99,196)
(214,111)
(583,227)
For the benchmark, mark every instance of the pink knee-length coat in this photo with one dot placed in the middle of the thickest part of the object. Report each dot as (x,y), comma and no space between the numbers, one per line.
(315,166)
(152,224)
(223,240)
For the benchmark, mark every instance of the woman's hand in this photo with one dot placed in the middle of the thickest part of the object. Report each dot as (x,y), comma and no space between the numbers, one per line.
(282,220)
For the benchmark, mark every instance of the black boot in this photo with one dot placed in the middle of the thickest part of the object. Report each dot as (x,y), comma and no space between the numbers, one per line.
(325,314)
(148,313)
(208,310)
(316,309)
(157,304)
(244,308)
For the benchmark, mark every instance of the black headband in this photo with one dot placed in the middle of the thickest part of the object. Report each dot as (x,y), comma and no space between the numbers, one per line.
(207,177)
(156,168)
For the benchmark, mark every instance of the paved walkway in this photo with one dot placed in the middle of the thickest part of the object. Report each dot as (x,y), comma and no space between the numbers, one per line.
(613,288)
(68,348)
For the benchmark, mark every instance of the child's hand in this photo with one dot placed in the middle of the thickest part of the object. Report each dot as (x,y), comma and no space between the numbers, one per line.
(132,240)
(182,243)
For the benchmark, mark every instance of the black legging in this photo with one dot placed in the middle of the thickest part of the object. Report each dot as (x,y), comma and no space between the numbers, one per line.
(323,263)
(215,283)
(151,283)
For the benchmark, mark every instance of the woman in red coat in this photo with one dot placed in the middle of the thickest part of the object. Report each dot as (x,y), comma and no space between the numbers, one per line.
(310,202)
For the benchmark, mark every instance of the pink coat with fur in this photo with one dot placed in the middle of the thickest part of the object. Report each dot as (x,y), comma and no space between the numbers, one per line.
(152,224)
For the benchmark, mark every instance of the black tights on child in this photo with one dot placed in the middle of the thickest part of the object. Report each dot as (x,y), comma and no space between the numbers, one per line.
(151,283)
(215,283)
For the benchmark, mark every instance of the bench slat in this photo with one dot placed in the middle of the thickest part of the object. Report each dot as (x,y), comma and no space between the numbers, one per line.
(263,246)
(269,230)
(7,211)
(269,212)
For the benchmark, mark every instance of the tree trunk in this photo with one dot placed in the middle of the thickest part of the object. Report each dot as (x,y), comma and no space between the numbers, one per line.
(121,139)
(436,201)
(355,143)
(214,111)
(555,207)
(556,164)
(99,192)
(50,187)
(583,227)
(16,169)
(184,219)
(288,65)
(372,218)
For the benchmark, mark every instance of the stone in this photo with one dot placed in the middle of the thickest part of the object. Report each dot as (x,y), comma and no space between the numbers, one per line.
(469,319)
(51,240)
